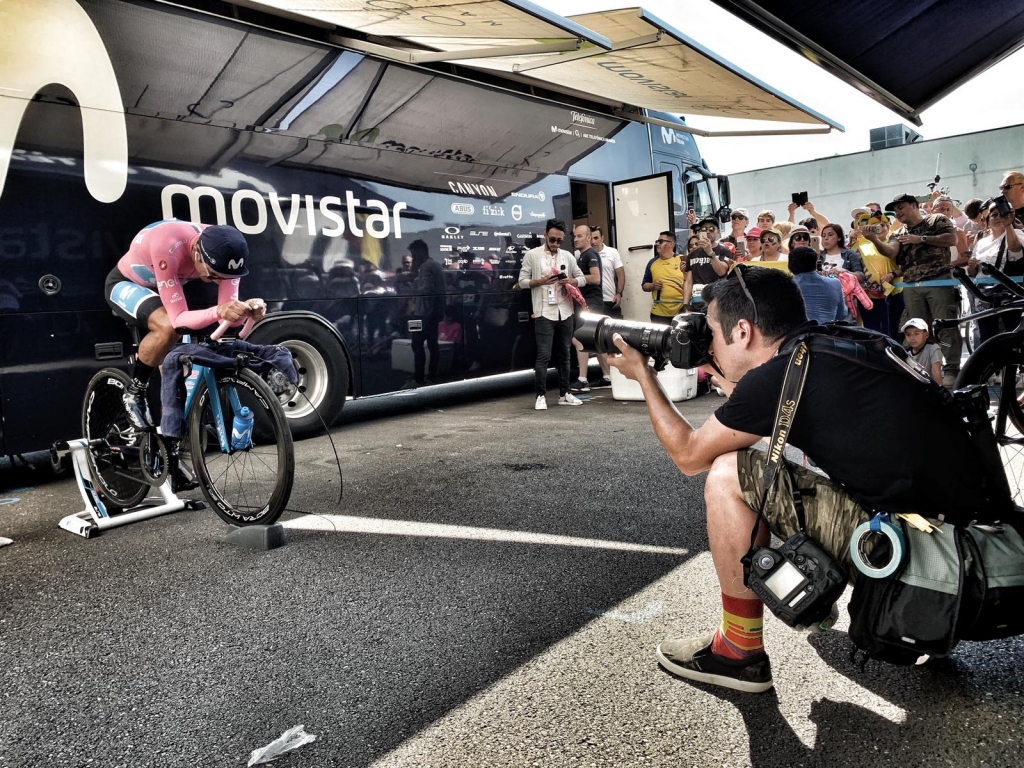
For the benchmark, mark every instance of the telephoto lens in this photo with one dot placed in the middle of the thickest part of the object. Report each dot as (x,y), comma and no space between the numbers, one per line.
(595,334)
(685,343)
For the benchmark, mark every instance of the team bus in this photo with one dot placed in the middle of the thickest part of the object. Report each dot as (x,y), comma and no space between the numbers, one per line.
(329,158)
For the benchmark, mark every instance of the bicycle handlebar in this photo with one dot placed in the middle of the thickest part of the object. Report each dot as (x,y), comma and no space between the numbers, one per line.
(225,324)
(1001,278)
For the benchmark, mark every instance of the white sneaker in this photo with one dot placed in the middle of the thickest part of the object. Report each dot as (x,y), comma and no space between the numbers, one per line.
(569,399)
(541,404)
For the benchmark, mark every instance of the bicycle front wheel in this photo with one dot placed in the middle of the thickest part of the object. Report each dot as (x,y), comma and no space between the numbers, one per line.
(114,466)
(1000,365)
(251,486)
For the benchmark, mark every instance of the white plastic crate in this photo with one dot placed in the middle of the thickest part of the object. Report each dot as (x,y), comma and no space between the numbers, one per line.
(679,384)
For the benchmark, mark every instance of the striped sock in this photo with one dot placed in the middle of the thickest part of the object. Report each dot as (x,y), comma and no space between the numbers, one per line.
(739,635)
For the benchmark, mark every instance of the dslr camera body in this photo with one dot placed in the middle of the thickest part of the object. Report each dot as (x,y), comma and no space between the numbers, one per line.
(684,343)
(799,581)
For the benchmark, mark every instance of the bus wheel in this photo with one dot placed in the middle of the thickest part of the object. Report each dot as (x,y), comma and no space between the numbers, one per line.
(322,369)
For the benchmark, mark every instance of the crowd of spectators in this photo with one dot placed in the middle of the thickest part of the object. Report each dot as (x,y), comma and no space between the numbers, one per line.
(885,268)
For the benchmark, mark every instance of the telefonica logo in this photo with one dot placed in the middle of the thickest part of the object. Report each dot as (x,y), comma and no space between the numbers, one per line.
(54,41)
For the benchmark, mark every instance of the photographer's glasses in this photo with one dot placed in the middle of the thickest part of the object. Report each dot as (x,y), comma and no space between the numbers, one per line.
(706,229)
(555,239)
(771,240)
(738,274)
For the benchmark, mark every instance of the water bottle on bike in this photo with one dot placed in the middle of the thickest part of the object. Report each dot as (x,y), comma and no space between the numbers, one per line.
(241,429)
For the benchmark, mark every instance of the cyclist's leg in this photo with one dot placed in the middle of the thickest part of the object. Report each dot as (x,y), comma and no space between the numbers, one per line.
(140,308)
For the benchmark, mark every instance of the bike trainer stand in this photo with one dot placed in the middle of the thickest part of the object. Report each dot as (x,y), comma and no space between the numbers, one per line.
(96,517)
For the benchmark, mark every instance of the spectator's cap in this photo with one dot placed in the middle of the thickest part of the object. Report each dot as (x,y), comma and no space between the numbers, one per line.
(867,216)
(915,322)
(857,213)
(801,230)
(224,250)
(754,233)
(707,220)
(741,212)
(904,198)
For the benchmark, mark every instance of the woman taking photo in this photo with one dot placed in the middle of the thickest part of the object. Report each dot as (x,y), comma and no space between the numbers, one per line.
(836,257)
(999,244)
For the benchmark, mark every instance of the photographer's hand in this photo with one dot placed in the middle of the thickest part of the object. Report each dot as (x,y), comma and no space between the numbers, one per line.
(629,361)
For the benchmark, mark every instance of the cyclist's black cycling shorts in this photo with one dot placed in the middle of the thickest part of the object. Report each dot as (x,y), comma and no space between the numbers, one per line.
(131,302)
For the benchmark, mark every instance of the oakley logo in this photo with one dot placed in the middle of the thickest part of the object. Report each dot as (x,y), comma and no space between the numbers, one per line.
(54,41)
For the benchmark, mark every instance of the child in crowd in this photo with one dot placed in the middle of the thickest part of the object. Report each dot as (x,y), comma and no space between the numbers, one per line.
(928,356)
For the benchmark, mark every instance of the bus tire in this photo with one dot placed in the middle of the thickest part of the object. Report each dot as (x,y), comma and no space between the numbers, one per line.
(323,373)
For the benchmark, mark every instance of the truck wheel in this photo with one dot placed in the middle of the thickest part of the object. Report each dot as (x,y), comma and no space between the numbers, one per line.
(322,369)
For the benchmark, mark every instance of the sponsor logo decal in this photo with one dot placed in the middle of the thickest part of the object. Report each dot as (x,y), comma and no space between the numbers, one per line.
(323,217)
(452,233)
(517,213)
(579,118)
(463,209)
(493,210)
(445,248)
(537,214)
(163,265)
(531,195)
(503,234)
(472,190)
(478,233)
(55,41)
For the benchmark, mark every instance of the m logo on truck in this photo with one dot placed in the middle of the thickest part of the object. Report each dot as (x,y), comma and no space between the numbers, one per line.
(54,41)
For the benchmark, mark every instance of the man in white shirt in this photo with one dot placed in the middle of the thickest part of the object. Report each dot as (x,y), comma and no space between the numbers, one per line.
(613,284)
(546,271)
(613,273)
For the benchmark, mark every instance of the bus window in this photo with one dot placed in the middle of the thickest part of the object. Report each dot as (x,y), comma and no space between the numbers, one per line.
(698,194)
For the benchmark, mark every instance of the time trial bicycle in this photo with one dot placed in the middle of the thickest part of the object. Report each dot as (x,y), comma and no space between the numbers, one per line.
(245,486)
(998,363)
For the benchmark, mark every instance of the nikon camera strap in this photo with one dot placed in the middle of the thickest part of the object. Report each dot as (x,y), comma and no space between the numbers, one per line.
(792,390)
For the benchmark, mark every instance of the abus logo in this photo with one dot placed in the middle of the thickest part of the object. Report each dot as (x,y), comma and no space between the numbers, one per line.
(54,41)
(463,209)
(286,210)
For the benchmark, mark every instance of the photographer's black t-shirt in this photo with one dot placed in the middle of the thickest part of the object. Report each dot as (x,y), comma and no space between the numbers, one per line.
(892,444)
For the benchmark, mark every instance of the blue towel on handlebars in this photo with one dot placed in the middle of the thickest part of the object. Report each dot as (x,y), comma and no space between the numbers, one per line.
(213,355)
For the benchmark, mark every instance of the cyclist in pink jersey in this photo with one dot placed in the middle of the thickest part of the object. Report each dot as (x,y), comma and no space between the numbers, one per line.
(145,290)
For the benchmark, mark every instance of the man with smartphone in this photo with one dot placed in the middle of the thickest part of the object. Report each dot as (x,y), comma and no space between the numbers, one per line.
(1012,186)
(546,272)
(920,249)
(708,262)
(800,201)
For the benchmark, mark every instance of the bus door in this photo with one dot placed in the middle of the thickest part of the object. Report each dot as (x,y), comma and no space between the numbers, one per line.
(643,208)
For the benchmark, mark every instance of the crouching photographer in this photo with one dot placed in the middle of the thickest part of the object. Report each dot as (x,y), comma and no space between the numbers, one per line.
(884,444)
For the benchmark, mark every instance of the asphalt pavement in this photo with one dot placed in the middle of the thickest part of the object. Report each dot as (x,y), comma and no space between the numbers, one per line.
(489,591)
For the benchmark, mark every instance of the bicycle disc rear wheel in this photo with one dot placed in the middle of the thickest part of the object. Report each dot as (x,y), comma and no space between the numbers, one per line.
(115,467)
(1001,371)
(251,486)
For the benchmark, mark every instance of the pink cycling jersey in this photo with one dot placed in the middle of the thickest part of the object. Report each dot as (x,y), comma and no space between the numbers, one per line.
(160,258)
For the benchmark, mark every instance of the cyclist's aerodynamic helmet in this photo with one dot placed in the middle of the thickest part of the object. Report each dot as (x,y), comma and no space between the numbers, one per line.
(224,250)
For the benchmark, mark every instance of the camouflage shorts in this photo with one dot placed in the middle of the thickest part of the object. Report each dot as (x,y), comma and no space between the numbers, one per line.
(829,511)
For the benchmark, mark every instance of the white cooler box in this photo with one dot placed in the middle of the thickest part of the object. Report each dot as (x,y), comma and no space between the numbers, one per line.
(679,383)
(402,359)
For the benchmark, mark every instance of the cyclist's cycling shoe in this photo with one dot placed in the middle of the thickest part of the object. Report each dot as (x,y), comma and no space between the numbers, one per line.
(182,478)
(136,407)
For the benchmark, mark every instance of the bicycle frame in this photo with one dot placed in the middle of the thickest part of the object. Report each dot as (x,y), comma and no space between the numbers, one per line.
(209,376)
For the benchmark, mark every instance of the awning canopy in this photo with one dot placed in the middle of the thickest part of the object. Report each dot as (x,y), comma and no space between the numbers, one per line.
(627,59)
(906,56)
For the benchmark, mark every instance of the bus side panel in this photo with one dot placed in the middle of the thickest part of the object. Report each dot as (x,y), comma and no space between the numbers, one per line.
(46,360)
